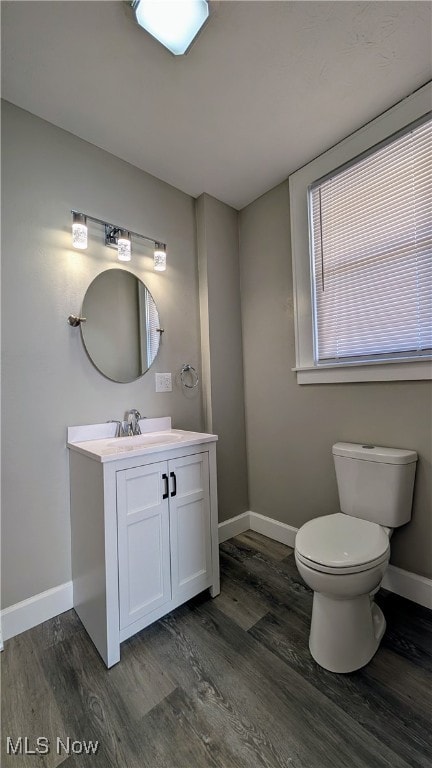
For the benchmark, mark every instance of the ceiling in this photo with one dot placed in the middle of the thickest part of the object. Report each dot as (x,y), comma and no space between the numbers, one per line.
(266,86)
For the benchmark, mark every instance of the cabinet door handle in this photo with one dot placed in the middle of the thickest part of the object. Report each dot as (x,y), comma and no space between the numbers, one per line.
(165,478)
(174,491)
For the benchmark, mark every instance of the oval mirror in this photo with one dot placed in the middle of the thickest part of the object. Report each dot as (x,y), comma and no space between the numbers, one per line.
(121,332)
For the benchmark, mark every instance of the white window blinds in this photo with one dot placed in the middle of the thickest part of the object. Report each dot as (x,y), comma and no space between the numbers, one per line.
(371,236)
(152,325)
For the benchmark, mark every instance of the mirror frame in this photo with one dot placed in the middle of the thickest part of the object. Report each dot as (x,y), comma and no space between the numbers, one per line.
(83,325)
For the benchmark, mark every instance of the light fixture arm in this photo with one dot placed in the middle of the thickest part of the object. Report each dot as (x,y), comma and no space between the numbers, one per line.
(76,321)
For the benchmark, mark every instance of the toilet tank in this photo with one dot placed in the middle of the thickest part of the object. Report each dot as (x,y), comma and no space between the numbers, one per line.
(375,483)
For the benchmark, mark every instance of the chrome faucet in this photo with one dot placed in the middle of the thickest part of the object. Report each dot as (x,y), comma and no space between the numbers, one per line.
(118,431)
(133,417)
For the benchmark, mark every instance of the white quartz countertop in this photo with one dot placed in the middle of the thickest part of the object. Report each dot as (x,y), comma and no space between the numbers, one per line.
(115,448)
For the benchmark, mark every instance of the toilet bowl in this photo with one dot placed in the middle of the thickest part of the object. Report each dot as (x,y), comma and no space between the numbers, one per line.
(343,560)
(343,557)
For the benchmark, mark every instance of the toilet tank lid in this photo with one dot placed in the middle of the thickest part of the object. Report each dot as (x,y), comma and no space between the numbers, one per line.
(368,452)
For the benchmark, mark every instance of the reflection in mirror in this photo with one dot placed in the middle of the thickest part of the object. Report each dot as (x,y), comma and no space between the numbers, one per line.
(121,333)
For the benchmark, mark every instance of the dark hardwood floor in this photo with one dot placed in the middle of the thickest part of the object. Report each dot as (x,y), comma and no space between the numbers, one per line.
(224,683)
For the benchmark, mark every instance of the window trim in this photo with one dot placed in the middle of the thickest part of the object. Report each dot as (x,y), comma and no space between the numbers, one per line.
(381,130)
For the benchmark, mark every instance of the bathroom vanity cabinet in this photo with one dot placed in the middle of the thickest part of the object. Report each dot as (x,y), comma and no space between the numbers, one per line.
(144,529)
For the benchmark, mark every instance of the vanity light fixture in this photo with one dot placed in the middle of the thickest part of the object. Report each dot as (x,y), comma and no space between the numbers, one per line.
(174,23)
(79,230)
(123,245)
(160,257)
(115,237)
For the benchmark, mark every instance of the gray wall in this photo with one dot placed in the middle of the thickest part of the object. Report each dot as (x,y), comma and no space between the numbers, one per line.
(291,428)
(222,352)
(48,381)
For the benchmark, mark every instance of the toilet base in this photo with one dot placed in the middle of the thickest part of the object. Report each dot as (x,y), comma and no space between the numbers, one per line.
(345,634)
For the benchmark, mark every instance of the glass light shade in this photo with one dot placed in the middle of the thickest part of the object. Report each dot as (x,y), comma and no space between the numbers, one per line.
(159,258)
(174,23)
(124,246)
(79,231)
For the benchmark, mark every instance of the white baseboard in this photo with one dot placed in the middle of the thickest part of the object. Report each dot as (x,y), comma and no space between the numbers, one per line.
(29,613)
(404,583)
(234,526)
(281,532)
(409,585)
(252,521)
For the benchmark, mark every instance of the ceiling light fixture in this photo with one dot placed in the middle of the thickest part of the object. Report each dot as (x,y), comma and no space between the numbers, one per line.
(115,237)
(174,23)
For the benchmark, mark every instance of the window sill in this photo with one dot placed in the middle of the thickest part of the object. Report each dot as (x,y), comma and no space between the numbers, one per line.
(389,371)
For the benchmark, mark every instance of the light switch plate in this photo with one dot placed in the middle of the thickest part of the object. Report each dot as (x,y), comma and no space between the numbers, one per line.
(163,382)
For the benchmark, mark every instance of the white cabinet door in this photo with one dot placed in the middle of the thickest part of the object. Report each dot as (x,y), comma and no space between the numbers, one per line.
(190,525)
(143,541)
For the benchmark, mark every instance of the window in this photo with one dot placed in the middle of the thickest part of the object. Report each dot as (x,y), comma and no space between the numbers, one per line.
(371,240)
(362,252)
(152,326)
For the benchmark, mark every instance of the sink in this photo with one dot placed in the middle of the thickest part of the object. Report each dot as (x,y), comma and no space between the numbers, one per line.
(106,448)
(144,441)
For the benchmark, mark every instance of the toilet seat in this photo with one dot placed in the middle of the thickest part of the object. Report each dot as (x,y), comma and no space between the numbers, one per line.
(321,568)
(340,544)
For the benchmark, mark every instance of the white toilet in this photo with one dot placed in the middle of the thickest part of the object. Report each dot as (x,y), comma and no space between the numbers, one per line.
(343,557)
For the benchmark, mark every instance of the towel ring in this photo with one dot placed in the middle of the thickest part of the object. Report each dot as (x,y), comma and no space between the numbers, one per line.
(187,368)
